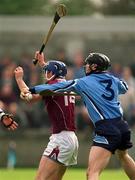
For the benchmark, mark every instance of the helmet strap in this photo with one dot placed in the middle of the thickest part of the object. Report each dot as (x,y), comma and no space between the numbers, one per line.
(51,78)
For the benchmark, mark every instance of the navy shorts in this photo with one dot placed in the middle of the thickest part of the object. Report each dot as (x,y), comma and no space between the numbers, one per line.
(112,134)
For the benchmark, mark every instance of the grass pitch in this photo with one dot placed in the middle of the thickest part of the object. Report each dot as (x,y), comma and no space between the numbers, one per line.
(71,174)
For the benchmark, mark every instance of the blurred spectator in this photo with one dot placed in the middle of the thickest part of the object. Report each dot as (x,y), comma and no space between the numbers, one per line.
(7,95)
(128,100)
(132,66)
(78,60)
(82,118)
(70,73)
(26,62)
(5,62)
(7,75)
(116,70)
(132,117)
(61,56)
(19,114)
(11,156)
(34,79)
(34,113)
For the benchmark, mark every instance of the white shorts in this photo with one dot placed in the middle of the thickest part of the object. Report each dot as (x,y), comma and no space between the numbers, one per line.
(63,148)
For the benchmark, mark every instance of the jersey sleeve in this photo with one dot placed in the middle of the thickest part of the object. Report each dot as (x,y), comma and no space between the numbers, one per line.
(57,87)
(122,87)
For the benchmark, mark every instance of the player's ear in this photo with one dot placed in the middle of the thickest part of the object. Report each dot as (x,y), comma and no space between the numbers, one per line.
(93,67)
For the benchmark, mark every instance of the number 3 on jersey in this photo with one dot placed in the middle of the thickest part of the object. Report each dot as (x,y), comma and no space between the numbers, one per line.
(108,84)
(69,99)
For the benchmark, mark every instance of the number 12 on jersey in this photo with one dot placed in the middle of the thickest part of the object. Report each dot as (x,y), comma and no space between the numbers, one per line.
(69,99)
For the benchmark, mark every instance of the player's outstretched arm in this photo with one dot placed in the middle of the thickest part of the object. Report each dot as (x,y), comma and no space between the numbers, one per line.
(65,86)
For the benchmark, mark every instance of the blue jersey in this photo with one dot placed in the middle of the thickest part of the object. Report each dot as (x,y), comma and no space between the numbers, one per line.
(99,92)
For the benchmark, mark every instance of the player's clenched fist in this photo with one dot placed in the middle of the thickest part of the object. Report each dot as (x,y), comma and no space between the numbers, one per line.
(41,58)
(19,73)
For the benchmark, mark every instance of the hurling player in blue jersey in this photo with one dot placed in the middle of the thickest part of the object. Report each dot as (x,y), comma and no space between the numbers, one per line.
(99,91)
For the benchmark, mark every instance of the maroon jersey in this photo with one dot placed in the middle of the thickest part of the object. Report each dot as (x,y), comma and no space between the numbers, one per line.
(61,111)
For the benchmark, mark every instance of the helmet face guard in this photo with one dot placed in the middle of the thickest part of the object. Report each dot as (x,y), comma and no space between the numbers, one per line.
(100,60)
(57,68)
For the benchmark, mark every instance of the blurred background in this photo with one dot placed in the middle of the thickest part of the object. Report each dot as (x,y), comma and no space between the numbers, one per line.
(90,26)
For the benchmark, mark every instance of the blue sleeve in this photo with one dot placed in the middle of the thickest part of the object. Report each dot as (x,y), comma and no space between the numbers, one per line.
(57,87)
(122,87)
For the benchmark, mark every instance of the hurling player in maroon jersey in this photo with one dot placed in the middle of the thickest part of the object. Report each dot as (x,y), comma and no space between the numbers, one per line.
(62,148)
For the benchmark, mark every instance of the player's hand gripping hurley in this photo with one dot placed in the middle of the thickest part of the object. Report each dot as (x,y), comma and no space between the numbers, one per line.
(60,12)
